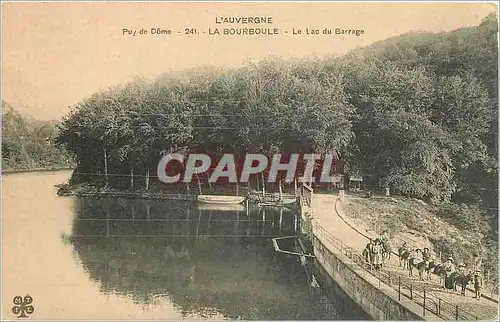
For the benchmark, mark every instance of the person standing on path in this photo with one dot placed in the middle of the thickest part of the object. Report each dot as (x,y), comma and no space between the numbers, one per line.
(385,236)
(386,246)
(476,262)
(418,259)
(368,252)
(377,254)
(404,253)
(448,268)
(478,283)
(411,262)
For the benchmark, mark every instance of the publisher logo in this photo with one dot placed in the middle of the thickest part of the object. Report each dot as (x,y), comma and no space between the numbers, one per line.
(22,306)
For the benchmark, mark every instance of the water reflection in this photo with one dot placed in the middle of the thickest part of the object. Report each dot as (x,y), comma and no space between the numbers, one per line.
(204,261)
(95,259)
(130,217)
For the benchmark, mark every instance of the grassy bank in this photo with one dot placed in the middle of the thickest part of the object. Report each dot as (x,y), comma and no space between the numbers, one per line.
(162,192)
(447,229)
(10,170)
(89,190)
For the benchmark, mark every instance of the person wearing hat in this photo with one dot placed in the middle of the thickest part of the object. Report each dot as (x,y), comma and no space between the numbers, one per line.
(377,254)
(404,253)
(368,251)
(478,283)
(411,262)
(449,265)
(426,254)
(385,236)
(418,257)
(448,268)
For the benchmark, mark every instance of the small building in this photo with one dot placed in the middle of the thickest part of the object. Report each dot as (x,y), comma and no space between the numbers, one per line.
(355,183)
(338,181)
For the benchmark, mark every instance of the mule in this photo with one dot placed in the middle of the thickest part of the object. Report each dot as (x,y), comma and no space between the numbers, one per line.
(386,250)
(455,277)
(439,272)
(463,280)
(431,268)
(404,254)
(421,267)
(411,265)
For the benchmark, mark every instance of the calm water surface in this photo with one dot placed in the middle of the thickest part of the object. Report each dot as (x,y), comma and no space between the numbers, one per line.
(90,258)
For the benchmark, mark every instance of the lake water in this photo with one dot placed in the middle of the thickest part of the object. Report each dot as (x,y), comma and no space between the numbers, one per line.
(90,258)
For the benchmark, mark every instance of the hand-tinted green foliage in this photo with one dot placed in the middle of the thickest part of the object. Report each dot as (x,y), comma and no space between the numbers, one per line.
(426,121)
(29,144)
(466,217)
(269,107)
(416,113)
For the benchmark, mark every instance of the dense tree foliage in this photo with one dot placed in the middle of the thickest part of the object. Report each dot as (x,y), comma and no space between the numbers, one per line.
(29,144)
(267,107)
(416,113)
(426,123)
(427,120)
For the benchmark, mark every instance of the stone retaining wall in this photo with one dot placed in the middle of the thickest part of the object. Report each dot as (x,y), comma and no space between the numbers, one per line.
(374,300)
(378,300)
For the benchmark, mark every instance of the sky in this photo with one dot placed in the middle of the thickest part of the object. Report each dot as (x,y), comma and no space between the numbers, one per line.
(56,54)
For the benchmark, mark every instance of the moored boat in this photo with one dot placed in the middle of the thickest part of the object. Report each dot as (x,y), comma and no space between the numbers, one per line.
(221,207)
(220,199)
(288,201)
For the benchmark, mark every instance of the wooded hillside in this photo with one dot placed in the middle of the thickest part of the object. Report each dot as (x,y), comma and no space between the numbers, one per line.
(29,144)
(417,113)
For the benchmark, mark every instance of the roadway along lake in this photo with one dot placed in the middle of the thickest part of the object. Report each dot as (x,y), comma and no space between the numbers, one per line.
(90,258)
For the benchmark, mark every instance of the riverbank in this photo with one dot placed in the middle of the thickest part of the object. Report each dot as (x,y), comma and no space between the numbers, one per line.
(325,214)
(103,192)
(12,171)
(177,193)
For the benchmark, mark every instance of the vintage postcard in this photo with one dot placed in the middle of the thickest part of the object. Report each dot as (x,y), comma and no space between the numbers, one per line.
(249,161)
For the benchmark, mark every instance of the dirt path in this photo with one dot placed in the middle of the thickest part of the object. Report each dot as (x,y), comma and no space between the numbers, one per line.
(325,214)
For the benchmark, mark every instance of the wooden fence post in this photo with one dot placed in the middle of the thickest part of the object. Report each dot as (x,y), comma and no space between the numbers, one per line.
(424,304)
(399,288)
